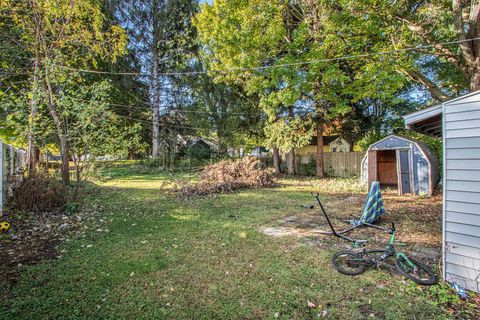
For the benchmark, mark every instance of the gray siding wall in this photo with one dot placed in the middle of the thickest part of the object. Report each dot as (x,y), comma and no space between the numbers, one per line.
(462,191)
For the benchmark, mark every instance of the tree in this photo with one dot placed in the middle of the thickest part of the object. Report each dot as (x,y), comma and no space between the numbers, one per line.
(93,128)
(59,35)
(161,35)
(442,69)
(285,52)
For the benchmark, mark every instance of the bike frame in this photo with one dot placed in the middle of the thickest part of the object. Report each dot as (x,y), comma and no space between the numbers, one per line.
(387,252)
(355,242)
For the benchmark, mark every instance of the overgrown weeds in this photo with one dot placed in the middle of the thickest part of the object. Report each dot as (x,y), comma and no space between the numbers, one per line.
(36,193)
(227,176)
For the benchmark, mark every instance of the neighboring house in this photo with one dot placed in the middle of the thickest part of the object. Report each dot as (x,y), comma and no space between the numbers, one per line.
(458,123)
(50,157)
(201,148)
(330,144)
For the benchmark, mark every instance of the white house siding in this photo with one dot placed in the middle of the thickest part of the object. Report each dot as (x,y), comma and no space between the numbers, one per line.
(462,191)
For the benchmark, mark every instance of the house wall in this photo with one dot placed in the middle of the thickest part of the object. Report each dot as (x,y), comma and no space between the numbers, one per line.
(462,191)
(340,145)
(310,149)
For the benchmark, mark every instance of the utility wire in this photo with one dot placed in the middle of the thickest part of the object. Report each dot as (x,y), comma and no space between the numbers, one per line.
(300,63)
(174,110)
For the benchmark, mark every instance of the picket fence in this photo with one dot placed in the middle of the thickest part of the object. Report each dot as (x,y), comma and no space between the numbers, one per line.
(13,162)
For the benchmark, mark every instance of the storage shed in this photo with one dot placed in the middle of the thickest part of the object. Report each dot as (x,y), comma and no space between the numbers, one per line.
(458,122)
(401,163)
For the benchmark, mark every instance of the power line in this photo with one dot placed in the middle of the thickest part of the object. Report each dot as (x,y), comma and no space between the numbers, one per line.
(170,125)
(174,110)
(300,63)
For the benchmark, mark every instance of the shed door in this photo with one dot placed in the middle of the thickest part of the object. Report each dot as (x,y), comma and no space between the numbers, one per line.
(404,158)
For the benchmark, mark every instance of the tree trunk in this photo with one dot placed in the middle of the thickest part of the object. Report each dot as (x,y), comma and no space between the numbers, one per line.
(276,159)
(155,111)
(31,148)
(62,133)
(319,159)
(291,170)
(155,86)
(475,82)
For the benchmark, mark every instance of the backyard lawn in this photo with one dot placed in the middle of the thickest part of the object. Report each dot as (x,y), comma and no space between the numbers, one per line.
(145,255)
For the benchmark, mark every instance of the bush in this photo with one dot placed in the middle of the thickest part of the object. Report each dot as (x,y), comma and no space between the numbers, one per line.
(227,176)
(369,139)
(434,144)
(36,193)
(151,164)
(309,168)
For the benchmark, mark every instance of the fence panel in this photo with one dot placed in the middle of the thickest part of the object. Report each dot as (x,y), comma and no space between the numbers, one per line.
(336,164)
(12,164)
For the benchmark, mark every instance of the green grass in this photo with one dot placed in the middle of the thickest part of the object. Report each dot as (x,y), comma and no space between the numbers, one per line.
(202,259)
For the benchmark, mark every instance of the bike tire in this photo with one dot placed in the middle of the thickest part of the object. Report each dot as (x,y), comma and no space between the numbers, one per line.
(431,280)
(338,264)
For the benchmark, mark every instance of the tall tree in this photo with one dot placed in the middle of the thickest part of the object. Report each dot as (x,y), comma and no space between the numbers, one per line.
(161,35)
(59,34)
(285,52)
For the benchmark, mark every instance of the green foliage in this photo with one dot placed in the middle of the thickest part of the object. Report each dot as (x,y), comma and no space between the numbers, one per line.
(198,151)
(72,207)
(264,33)
(289,134)
(307,169)
(434,144)
(369,139)
(150,164)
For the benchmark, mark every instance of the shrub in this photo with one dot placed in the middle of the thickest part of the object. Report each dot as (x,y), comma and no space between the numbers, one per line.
(36,193)
(150,164)
(227,176)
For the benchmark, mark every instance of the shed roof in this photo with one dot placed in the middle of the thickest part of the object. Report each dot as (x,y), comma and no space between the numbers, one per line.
(427,121)
(420,144)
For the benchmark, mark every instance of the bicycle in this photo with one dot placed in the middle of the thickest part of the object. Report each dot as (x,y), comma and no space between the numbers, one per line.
(353,263)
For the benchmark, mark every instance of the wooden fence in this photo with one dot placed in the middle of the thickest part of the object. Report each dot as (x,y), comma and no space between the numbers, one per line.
(336,164)
(12,164)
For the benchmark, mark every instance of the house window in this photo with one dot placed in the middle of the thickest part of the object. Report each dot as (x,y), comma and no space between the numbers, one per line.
(334,150)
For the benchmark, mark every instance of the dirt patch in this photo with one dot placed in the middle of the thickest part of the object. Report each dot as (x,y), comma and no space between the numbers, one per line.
(417,220)
(32,238)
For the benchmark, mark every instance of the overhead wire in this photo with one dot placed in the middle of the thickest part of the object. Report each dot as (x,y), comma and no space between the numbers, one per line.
(259,68)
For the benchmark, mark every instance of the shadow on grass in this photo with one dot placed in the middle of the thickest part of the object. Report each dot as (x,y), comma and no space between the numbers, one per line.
(142,253)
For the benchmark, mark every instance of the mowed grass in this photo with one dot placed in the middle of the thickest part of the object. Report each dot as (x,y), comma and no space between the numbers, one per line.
(149,256)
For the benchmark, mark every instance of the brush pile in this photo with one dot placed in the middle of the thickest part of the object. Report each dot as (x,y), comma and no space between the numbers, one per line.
(227,176)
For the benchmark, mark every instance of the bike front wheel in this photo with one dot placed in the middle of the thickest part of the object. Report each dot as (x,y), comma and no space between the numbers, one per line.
(348,262)
(415,270)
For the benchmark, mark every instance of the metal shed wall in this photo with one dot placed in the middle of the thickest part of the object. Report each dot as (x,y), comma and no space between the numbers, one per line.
(424,164)
(462,191)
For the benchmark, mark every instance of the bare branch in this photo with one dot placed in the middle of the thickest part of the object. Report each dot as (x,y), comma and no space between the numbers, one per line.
(420,78)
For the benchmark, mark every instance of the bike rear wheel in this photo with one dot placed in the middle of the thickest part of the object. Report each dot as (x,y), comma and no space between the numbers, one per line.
(418,272)
(349,262)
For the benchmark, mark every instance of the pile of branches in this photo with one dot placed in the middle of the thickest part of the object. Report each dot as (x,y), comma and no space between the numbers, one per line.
(227,176)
